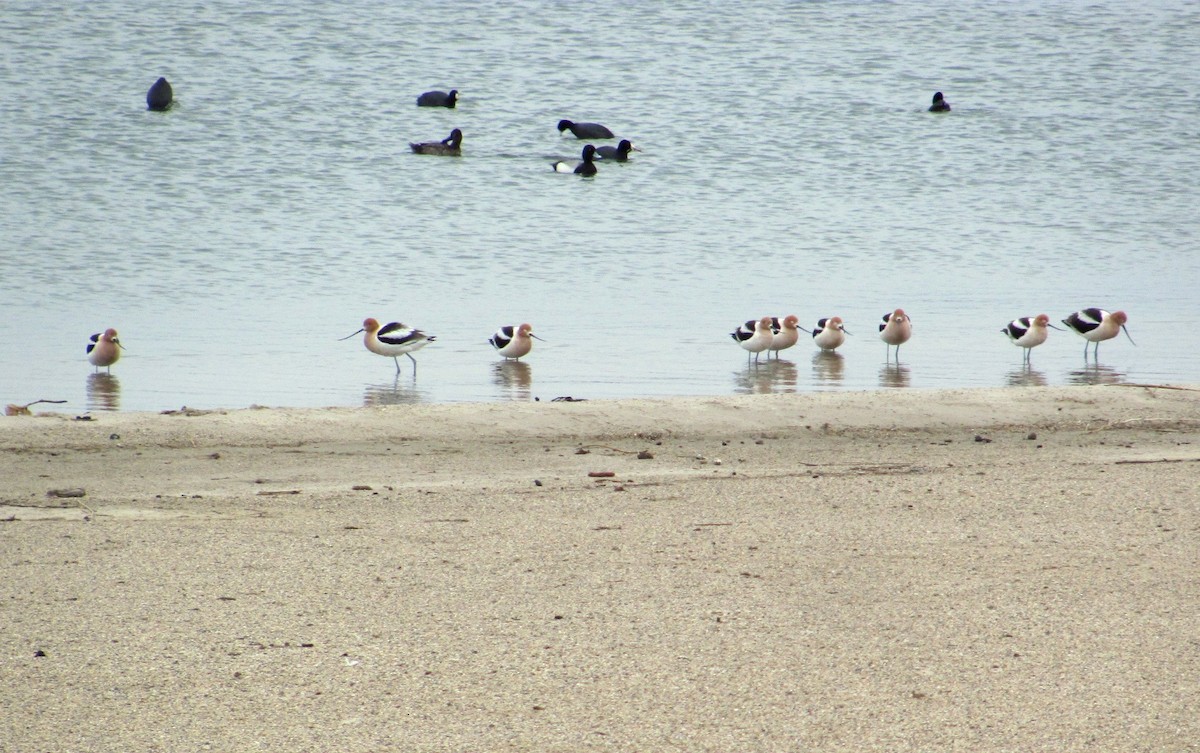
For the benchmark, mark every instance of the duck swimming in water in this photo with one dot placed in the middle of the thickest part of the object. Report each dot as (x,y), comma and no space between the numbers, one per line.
(618,153)
(585,168)
(161,96)
(450,146)
(438,99)
(585,130)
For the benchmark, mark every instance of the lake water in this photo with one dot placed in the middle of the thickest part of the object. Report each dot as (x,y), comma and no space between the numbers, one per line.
(788,166)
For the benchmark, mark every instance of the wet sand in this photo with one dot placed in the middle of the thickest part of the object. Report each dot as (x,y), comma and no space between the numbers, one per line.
(982,570)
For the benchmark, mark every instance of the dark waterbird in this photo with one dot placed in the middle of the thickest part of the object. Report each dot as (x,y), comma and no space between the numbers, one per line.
(618,153)
(939,103)
(450,146)
(585,130)
(587,167)
(438,99)
(160,97)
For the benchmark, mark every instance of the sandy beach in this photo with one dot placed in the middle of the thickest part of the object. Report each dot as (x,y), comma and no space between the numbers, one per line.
(978,570)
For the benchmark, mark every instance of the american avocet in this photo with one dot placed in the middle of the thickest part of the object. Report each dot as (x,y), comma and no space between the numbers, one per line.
(754,336)
(393,339)
(829,333)
(514,341)
(618,153)
(1028,332)
(438,99)
(1096,325)
(587,167)
(451,146)
(784,333)
(939,103)
(104,349)
(160,97)
(585,130)
(895,330)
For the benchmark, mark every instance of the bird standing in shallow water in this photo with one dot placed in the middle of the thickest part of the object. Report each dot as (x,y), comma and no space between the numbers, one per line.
(784,334)
(829,333)
(514,341)
(104,349)
(451,146)
(895,330)
(1096,325)
(754,336)
(393,339)
(585,168)
(1028,332)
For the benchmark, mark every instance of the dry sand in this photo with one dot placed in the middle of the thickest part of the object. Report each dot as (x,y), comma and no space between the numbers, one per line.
(984,570)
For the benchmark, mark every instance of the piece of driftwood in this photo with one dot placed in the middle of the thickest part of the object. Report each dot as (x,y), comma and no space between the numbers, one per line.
(12,409)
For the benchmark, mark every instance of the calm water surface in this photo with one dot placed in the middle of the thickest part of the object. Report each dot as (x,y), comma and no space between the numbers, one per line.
(788,166)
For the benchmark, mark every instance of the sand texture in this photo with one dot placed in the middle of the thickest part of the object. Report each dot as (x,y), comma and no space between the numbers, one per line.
(978,570)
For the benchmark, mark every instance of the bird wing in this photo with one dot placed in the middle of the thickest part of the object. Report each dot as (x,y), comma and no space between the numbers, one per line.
(397,333)
(1085,320)
(744,332)
(503,337)
(1017,328)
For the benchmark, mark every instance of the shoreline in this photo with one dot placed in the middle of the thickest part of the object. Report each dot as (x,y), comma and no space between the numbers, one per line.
(994,570)
(895,410)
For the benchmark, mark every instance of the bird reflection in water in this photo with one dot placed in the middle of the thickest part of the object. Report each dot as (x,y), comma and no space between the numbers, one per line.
(895,375)
(829,367)
(391,394)
(103,392)
(514,378)
(1094,373)
(766,378)
(1026,377)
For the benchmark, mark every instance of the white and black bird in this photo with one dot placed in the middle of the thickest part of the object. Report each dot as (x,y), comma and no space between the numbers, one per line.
(1096,325)
(514,341)
(784,333)
(754,336)
(1028,332)
(585,168)
(393,340)
(104,349)
(829,333)
(895,329)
